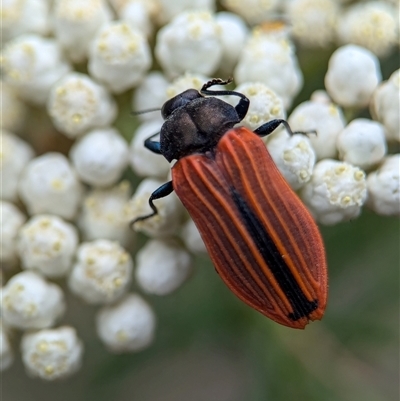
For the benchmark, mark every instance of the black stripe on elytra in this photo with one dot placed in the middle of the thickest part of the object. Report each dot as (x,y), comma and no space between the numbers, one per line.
(301,306)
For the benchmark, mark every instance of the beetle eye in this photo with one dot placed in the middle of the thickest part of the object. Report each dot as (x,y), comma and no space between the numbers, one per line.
(179,101)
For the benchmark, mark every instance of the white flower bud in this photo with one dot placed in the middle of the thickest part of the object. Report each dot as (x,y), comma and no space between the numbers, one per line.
(28,301)
(19,17)
(162,267)
(14,155)
(47,245)
(12,110)
(313,21)
(373,25)
(104,215)
(335,192)
(150,94)
(325,119)
(385,106)
(191,237)
(233,35)
(384,187)
(362,143)
(76,22)
(294,157)
(11,221)
(320,96)
(100,157)
(170,9)
(190,42)
(77,104)
(119,56)
(188,81)
(253,11)
(52,354)
(6,352)
(265,104)
(352,76)
(48,184)
(166,222)
(137,13)
(31,65)
(126,326)
(270,59)
(102,272)
(144,162)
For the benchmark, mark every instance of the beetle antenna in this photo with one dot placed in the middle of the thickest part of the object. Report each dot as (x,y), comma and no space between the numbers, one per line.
(216,81)
(136,113)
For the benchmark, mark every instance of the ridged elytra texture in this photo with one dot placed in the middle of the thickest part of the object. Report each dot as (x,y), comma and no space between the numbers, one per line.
(262,240)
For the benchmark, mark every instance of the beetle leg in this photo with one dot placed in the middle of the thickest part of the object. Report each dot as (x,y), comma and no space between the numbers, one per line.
(270,126)
(154,146)
(160,192)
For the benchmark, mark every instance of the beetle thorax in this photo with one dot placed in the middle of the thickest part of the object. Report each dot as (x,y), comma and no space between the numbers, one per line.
(196,127)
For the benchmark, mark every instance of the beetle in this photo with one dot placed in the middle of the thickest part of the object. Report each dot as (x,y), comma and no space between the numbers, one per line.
(262,240)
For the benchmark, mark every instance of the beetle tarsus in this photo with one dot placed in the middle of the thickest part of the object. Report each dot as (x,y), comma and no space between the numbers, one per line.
(161,192)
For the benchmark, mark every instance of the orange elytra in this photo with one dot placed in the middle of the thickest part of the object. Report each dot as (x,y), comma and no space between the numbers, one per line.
(262,240)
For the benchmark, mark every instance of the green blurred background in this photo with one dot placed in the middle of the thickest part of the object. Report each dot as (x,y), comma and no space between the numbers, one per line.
(211,347)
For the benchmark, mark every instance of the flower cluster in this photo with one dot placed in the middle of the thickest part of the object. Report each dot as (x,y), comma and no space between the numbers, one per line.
(66,199)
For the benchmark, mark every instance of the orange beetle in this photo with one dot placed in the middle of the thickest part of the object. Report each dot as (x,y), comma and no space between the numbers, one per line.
(262,240)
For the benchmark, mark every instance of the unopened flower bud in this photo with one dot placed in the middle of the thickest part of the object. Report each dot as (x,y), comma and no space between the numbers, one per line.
(15,153)
(20,17)
(336,192)
(310,16)
(47,244)
(102,272)
(362,143)
(104,215)
(162,267)
(48,184)
(384,187)
(76,23)
(100,157)
(385,106)
(126,326)
(119,56)
(31,65)
(294,156)
(77,104)
(30,302)
(11,221)
(264,52)
(233,37)
(352,76)
(323,121)
(52,354)
(371,24)
(189,42)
